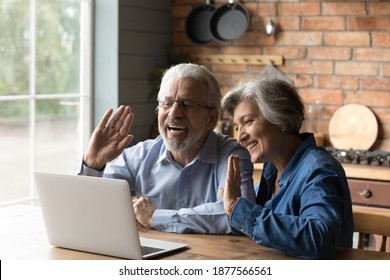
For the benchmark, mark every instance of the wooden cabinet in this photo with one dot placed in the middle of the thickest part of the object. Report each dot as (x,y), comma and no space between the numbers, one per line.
(370,192)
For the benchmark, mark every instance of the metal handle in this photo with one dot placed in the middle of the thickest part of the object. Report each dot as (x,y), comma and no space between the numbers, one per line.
(365,193)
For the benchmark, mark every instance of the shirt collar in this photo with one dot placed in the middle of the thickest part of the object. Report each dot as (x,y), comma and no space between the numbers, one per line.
(163,150)
(207,153)
(308,142)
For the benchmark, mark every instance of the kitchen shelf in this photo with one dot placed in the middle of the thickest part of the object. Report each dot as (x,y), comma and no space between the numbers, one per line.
(381,173)
(239,59)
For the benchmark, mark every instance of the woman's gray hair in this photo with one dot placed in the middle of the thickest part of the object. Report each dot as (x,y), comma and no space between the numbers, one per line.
(199,73)
(277,100)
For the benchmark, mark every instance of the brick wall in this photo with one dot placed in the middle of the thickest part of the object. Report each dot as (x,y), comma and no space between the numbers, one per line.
(336,52)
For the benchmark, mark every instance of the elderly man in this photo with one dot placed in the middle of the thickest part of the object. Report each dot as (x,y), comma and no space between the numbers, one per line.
(175,177)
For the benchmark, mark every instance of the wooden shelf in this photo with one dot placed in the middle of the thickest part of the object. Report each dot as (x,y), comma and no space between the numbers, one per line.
(239,59)
(357,171)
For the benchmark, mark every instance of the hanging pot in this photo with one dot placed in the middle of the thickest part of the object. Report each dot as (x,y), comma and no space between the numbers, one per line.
(229,21)
(198,23)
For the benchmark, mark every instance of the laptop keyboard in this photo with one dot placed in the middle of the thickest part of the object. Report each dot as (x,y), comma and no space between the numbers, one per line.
(149,250)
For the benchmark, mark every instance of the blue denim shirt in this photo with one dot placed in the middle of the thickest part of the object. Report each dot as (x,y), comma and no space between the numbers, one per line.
(186,198)
(311,213)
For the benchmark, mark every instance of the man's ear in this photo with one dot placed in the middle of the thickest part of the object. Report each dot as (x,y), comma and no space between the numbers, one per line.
(213,119)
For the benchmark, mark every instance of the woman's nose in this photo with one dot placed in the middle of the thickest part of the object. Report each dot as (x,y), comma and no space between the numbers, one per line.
(241,135)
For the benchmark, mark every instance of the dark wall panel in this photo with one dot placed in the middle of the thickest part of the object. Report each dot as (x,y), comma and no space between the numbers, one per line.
(145,29)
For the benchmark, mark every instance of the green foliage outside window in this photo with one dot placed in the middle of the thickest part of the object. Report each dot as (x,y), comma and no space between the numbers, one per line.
(57,65)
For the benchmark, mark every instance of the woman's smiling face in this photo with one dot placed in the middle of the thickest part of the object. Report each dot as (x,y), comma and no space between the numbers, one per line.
(260,137)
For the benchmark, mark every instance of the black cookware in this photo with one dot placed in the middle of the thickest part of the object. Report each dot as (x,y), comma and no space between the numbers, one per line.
(229,21)
(198,23)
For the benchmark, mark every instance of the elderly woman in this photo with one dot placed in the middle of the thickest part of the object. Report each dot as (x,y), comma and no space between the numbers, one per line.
(303,205)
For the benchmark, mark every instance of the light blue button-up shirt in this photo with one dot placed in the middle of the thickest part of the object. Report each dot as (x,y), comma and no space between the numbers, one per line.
(310,215)
(186,198)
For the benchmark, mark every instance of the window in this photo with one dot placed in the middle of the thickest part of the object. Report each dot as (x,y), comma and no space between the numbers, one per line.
(45,79)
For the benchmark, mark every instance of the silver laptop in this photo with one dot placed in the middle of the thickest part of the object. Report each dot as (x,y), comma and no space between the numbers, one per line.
(94,215)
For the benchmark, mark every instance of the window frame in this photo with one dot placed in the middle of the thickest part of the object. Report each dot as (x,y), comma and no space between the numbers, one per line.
(84,96)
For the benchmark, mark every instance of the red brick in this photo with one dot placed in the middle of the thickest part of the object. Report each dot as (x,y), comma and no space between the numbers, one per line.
(242,50)
(315,111)
(303,81)
(344,39)
(370,54)
(196,50)
(254,39)
(382,114)
(180,38)
(357,63)
(218,2)
(323,23)
(355,68)
(368,23)
(300,38)
(176,2)
(237,77)
(329,111)
(329,53)
(378,8)
(181,11)
(376,84)
(262,9)
(323,126)
(339,8)
(382,133)
(257,69)
(178,24)
(286,52)
(287,23)
(384,145)
(337,82)
(321,96)
(386,70)
(381,39)
(224,79)
(246,76)
(385,129)
(230,68)
(311,67)
(297,9)
(369,98)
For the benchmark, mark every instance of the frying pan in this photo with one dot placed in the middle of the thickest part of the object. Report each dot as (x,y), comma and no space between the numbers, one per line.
(229,21)
(353,126)
(198,23)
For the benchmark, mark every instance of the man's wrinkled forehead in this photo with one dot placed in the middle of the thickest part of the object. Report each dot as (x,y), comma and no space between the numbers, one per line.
(168,86)
(183,87)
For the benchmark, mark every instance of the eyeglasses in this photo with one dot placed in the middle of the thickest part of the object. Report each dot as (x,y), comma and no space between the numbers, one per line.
(186,105)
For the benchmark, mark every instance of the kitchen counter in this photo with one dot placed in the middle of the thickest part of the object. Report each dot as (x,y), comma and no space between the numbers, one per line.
(381,173)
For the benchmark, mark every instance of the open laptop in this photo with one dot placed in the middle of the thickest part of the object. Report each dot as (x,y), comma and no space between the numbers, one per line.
(94,215)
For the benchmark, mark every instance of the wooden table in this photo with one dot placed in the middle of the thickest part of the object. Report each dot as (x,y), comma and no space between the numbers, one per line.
(23,237)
